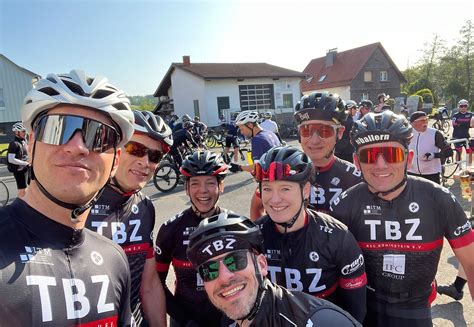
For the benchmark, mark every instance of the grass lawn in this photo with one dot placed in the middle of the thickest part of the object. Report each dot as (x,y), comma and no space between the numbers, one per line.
(3,146)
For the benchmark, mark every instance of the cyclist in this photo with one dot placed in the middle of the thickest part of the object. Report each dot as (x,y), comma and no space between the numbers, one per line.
(204,173)
(240,289)
(182,138)
(365,107)
(262,140)
(199,128)
(180,125)
(344,149)
(269,125)
(231,139)
(462,121)
(399,222)
(126,216)
(17,156)
(320,117)
(429,148)
(381,98)
(173,121)
(52,270)
(301,245)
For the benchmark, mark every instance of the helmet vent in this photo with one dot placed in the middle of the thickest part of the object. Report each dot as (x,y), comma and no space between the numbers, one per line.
(120,106)
(74,87)
(100,94)
(52,80)
(49,91)
(90,81)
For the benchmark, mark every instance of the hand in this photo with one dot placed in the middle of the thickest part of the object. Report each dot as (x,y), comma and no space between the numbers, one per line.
(235,168)
(428,156)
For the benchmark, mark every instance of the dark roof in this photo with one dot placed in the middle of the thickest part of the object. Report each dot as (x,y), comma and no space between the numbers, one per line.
(21,68)
(346,67)
(211,71)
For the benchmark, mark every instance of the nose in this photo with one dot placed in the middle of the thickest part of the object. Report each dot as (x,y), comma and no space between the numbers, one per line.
(224,273)
(380,162)
(76,144)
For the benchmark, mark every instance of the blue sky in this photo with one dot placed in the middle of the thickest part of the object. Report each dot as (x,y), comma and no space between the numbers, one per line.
(134,42)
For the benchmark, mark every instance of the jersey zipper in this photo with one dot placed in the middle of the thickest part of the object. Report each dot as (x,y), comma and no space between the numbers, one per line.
(67,252)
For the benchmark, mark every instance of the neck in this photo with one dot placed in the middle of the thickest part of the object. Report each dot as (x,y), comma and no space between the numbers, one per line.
(256,130)
(390,196)
(299,223)
(212,212)
(323,162)
(38,201)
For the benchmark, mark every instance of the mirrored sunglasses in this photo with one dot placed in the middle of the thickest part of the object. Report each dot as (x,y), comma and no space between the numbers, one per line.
(60,129)
(234,261)
(323,131)
(276,171)
(139,150)
(391,154)
(463,106)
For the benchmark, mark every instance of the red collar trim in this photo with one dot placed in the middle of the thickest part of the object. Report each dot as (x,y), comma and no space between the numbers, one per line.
(328,166)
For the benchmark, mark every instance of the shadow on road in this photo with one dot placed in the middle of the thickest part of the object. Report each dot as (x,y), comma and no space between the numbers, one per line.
(448,311)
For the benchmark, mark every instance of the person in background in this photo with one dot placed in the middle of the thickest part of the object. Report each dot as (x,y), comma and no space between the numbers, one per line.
(231,140)
(344,148)
(462,121)
(182,138)
(269,125)
(126,216)
(364,108)
(429,147)
(17,158)
(381,98)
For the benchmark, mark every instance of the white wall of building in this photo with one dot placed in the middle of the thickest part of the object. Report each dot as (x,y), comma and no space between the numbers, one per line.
(343,91)
(186,88)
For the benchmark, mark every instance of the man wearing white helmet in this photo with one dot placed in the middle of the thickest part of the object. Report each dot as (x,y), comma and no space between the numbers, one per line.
(463,120)
(18,158)
(262,141)
(53,271)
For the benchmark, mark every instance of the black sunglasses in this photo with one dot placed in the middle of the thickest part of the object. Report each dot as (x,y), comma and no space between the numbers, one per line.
(139,150)
(60,129)
(234,261)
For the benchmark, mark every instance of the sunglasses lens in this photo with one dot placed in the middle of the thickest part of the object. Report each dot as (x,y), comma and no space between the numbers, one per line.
(324,131)
(390,154)
(139,150)
(60,129)
(234,261)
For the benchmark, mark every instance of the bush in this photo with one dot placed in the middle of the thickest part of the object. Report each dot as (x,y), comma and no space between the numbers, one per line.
(426,94)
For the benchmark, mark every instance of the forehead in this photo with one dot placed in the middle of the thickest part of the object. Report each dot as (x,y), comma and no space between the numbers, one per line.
(147,141)
(317,121)
(203,179)
(82,112)
(279,183)
(381,145)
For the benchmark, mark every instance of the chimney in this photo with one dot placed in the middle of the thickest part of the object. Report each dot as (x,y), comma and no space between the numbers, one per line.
(186,60)
(331,57)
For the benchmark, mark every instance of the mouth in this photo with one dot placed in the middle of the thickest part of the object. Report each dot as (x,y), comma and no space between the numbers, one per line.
(74,165)
(232,292)
(278,209)
(204,200)
(139,173)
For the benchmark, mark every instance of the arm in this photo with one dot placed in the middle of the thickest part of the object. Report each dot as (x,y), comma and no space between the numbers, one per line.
(153,295)
(465,256)
(13,160)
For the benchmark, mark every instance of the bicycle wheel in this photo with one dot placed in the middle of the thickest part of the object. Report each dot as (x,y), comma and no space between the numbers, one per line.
(166,177)
(4,194)
(445,126)
(448,170)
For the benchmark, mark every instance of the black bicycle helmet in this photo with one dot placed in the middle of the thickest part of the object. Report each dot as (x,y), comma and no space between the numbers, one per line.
(284,163)
(366,103)
(381,127)
(203,163)
(185,118)
(321,106)
(236,232)
(188,124)
(350,104)
(153,126)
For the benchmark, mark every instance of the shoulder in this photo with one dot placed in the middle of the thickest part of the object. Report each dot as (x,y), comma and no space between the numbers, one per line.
(175,221)
(105,245)
(321,218)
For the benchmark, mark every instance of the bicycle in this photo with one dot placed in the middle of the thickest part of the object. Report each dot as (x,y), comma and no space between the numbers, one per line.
(213,138)
(166,175)
(450,166)
(442,123)
(4,192)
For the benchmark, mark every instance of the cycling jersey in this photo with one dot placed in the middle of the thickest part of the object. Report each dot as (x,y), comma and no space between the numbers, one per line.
(129,222)
(189,302)
(18,147)
(331,181)
(269,125)
(402,241)
(429,141)
(262,142)
(461,125)
(54,275)
(281,307)
(199,128)
(318,259)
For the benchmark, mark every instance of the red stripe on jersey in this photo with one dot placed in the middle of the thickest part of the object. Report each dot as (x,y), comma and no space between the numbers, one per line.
(400,246)
(182,264)
(432,296)
(136,248)
(327,292)
(106,322)
(353,283)
(162,267)
(150,253)
(462,241)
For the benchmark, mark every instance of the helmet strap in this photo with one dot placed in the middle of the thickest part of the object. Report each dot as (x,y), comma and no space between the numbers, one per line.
(194,207)
(393,189)
(115,183)
(76,210)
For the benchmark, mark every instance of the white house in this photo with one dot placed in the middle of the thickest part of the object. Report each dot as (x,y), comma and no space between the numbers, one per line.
(210,89)
(15,82)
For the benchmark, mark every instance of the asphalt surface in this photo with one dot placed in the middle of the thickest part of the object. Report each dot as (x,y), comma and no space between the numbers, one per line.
(238,191)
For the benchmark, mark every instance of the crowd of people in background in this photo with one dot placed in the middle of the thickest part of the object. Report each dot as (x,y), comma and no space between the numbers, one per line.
(346,231)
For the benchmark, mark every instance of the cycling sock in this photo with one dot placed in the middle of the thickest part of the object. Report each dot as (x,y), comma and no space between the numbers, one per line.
(459,283)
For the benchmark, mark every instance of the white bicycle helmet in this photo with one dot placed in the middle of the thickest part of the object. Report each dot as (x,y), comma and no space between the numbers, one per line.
(463,102)
(246,116)
(18,127)
(78,89)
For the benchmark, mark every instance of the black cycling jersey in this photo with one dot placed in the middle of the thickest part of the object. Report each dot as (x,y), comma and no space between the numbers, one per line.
(461,125)
(402,241)
(189,302)
(54,275)
(129,222)
(331,181)
(318,259)
(181,137)
(281,307)
(18,147)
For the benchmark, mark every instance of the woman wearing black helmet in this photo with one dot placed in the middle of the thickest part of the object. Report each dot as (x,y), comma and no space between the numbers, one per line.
(306,251)
(204,173)
(239,287)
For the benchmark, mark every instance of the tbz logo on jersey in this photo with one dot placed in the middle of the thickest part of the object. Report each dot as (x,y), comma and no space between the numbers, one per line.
(356,264)
(394,266)
(36,255)
(219,245)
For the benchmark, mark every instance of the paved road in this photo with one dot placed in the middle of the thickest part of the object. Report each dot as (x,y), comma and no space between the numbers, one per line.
(238,191)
